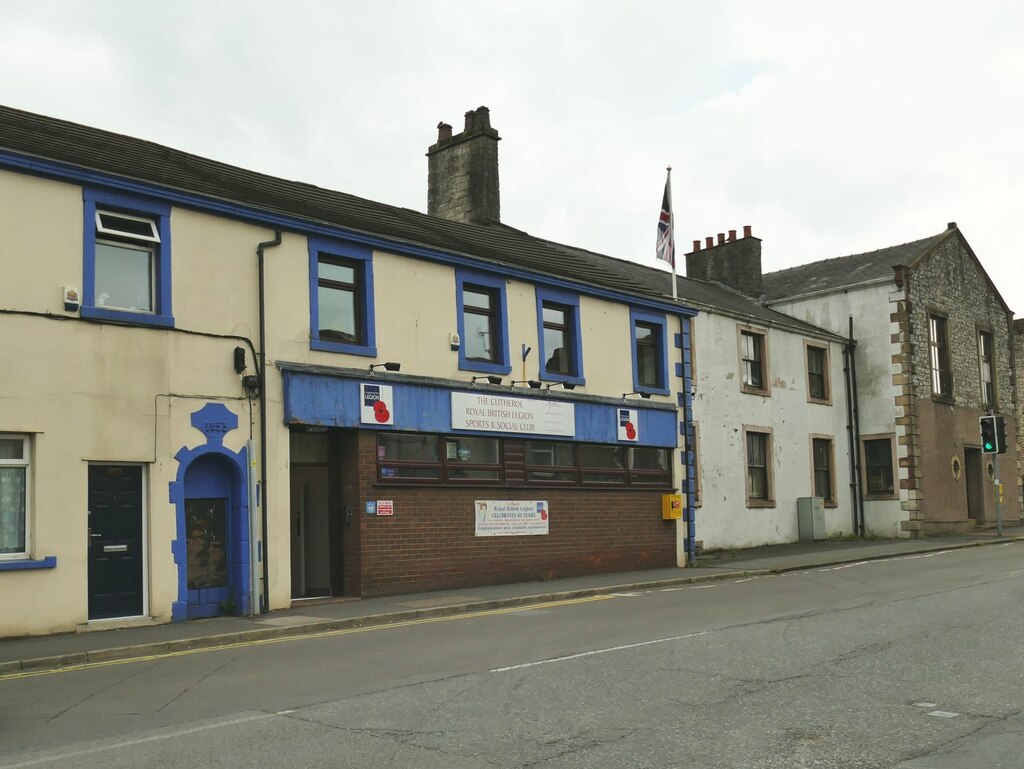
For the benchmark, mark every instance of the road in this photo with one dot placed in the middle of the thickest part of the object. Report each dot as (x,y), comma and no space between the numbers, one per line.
(912,662)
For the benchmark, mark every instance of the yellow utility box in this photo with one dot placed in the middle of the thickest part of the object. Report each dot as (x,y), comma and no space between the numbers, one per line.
(671,506)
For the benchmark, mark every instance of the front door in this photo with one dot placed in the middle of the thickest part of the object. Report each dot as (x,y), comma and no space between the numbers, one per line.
(974,476)
(115,541)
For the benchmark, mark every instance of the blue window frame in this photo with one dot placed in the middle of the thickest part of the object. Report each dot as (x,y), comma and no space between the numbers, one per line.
(482,309)
(341,311)
(558,330)
(126,259)
(649,333)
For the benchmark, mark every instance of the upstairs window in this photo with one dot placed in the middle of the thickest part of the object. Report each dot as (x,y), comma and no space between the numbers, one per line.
(479,319)
(14,499)
(561,355)
(127,273)
(752,357)
(650,369)
(482,323)
(988,388)
(341,310)
(938,340)
(338,300)
(818,390)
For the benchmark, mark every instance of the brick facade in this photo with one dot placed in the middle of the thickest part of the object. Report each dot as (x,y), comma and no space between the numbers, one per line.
(430,542)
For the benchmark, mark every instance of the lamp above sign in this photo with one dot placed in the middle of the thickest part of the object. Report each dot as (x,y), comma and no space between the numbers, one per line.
(489,412)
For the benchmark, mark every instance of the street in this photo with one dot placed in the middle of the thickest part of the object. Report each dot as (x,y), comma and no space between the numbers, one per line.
(911,662)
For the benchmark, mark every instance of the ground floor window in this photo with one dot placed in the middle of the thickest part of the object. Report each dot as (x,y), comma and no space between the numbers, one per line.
(14,490)
(878,471)
(821,454)
(758,446)
(414,457)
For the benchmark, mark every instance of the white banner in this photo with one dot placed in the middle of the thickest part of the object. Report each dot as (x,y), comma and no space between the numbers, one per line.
(510,414)
(510,517)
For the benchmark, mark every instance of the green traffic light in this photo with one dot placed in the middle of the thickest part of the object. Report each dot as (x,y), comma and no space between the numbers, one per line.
(988,446)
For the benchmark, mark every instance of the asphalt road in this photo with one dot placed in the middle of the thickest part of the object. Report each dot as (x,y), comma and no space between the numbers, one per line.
(913,662)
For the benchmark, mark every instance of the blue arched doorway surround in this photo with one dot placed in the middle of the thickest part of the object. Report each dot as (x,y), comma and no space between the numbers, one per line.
(212,520)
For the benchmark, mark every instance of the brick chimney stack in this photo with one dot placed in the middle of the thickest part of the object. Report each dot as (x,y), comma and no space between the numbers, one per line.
(462,172)
(733,262)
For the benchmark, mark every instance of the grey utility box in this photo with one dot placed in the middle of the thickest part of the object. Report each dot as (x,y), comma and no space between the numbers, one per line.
(810,518)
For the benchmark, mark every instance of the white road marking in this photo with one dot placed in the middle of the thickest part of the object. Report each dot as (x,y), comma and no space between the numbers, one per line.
(628,595)
(93,749)
(943,714)
(702,587)
(672,589)
(748,579)
(598,651)
(283,712)
(925,704)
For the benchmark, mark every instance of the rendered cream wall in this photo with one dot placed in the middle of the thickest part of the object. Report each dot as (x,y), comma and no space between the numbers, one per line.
(722,410)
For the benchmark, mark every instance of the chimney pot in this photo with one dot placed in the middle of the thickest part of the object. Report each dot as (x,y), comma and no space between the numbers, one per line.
(746,231)
(696,245)
(709,241)
(951,226)
(721,238)
(444,131)
(732,234)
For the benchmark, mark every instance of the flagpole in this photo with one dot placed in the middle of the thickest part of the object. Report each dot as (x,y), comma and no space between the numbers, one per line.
(672,231)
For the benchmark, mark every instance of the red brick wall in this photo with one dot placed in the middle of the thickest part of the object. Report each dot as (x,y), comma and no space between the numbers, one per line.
(429,543)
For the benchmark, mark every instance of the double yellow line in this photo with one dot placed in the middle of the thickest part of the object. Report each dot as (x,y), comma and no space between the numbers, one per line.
(303,636)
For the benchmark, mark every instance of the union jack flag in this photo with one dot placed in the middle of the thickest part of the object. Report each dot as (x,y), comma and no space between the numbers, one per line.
(666,246)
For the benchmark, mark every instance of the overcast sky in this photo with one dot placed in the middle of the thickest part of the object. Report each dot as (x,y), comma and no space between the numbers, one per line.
(830,128)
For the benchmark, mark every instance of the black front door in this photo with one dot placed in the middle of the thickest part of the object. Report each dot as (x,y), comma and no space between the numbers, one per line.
(115,541)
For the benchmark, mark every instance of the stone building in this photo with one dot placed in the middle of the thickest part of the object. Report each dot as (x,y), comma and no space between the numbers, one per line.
(934,351)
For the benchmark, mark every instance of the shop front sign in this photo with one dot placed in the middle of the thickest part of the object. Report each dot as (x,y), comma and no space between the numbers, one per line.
(510,517)
(508,414)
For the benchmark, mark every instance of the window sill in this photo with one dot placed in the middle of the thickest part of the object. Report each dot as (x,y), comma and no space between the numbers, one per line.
(946,399)
(483,367)
(881,497)
(343,347)
(760,503)
(50,562)
(819,401)
(651,390)
(125,316)
(547,376)
(748,390)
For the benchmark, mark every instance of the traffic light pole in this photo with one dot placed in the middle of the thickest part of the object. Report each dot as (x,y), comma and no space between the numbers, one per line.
(996,485)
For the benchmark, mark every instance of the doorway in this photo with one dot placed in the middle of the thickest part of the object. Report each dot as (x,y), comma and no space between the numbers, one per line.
(116,556)
(975,478)
(315,528)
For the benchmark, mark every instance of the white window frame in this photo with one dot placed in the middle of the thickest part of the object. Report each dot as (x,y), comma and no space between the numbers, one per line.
(26,462)
(101,228)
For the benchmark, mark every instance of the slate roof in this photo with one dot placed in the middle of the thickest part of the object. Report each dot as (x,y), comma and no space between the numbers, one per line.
(93,149)
(846,271)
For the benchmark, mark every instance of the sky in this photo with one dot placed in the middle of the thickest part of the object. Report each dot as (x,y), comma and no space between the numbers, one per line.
(830,128)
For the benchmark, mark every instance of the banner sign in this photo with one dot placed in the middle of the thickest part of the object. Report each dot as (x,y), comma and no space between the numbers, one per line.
(627,425)
(509,414)
(376,404)
(510,518)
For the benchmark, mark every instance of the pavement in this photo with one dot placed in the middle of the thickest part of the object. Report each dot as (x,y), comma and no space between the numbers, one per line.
(36,653)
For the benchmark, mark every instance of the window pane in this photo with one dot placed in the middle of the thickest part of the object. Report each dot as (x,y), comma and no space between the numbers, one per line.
(309,448)
(124,277)
(409,448)
(604,478)
(12,509)
(878,461)
(12,448)
(753,367)
(557,349)
(144,228)
(648,371)
(600,456)
(648,459)
(337,272)
(478,343)
(757,466)
(554,315)
(473,474)
(337,314)
(549,454)
(477,451)
(480,300)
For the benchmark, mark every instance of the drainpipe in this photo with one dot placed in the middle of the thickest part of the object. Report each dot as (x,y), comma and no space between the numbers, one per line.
(853,410)
(265,593)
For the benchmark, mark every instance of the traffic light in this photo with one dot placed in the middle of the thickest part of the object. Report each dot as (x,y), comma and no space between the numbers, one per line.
(989,444)
(1000,435)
